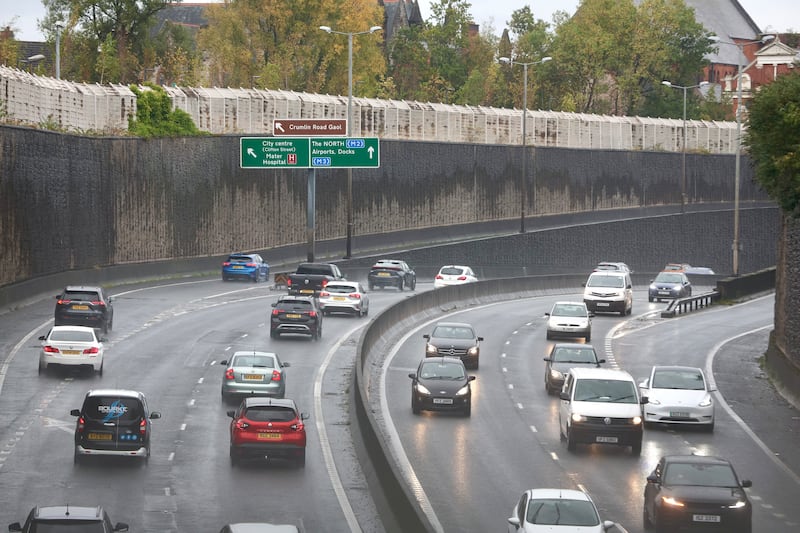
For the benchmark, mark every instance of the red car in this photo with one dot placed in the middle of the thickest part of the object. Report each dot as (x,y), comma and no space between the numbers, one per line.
(268,427)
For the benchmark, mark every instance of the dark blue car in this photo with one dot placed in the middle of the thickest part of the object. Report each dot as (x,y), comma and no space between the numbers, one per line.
(251,267)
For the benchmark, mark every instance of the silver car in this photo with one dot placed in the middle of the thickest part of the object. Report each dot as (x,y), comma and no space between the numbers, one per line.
(344,297)
(254,373)
(569,319)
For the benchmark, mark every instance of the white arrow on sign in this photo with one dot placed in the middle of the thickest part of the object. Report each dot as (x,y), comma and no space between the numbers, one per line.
(279,126)
(371,150)
(251,152)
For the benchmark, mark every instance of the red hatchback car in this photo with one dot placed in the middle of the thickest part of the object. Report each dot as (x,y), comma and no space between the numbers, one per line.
(266,428)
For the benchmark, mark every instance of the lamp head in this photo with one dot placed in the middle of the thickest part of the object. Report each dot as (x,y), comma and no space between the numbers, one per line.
(505,60)
(546,59)
(667,83)
(375,28)
(34,58)
(767,38)
(326,29)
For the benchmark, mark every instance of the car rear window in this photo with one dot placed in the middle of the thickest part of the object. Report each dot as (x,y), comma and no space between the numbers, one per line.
(295,304)
(112,408)
(260,361)
(451,271)
(86,296)
(59,526)
(270,413)
(342,289)
(240,259)
(71,336)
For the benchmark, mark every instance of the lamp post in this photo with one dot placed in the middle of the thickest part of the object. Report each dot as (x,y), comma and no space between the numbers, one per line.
(524,185)
(58,51)
(373,29)
(738,166)
(683,148)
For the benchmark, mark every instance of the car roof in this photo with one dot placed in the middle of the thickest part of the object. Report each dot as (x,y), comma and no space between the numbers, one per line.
(388,261)
(573,345)
(72,328)
(600,373)
(288,297)
(253,401)
(568,302)
(677,367)
(77,288)
(261,527)
(443,359)
(253,352)
(342,282)
(454,325)
(696,459)
(558,494)
(454,266)
(123,393)
(612,273)
(68,512)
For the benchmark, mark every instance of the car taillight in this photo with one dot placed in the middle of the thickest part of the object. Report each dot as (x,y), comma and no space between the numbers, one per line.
(229,374)
(324,282)
(324,293)
(312,314)
(355,295)
(93,349)
(439,276)
(276,376)
(288,282)
(50,349)
(81,424)
(276,312)
(462,278)
(98,303)
(252,265)
(143,426)
(226,264)
(63,301)
(299,426)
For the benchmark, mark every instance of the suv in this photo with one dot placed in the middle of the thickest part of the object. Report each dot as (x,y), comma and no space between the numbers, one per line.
(391,273)
(454,339)
(608,291)
(296,314)
(113,422)
(71,518)
(600,405)
(80,305)
(267,427)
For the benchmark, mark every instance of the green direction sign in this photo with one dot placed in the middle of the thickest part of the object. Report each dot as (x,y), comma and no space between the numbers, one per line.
(330,152)
(273,152)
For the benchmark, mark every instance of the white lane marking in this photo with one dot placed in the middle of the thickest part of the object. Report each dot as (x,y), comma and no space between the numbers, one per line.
(200,381)
(721,399)
(324,442)
(183,427)
(17,348)
(534,430)
(520,406)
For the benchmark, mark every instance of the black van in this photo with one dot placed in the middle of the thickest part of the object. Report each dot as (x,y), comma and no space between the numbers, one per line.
(113,422)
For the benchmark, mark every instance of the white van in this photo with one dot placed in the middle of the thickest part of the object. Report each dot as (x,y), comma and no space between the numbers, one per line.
(601,406)
(609,292)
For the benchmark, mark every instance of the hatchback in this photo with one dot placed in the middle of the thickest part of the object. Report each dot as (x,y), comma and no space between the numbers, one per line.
(669,285)
(454,275)
(569,319)
(347,297)
(441,384)
(251,267)
(113,422)
(81,305)
(564,356)
(253,374)
(391,273)
(678,395)
(268,427)
(554,510)
(68,518)
(74,346)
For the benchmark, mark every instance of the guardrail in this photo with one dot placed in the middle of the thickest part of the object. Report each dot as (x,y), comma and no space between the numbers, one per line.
(690,303)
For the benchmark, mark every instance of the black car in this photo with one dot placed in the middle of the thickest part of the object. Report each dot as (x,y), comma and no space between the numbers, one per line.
(695,492)
(80,305)
(441,384)
(454,339)
(113,422)
(391,273)
(68,518)
(296,314)
(669,285)
(562,357)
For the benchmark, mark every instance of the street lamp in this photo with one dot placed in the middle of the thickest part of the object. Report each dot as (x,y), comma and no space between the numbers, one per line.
(683,150)
(373,29)
(32,59)
(524,187)
(738,167)
(58,50)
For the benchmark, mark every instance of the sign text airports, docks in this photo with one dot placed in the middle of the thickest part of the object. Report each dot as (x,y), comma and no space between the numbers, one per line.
(272,152)
(345,153)
(333,127)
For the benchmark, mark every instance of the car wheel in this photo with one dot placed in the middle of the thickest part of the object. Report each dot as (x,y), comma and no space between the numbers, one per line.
(274,334)
(650,298)
(371,286)
(646,522)
(468,409)
(234,457)
(588,337)
(76,458)
(400,285)
(105,327)
(548,335)
(100,370)
(477,364)
(42,368)
(571,444)
(413,284)
(636,449)
(300,460)
(630,310)
(414,405)
(710,427)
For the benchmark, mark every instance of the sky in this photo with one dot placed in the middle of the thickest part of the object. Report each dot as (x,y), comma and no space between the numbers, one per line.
(769,15)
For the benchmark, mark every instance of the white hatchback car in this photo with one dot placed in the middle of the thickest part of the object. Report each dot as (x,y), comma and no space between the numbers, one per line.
(454,275)
(569,319)
(678,395)
(344,297)
(71,346)
(555,510)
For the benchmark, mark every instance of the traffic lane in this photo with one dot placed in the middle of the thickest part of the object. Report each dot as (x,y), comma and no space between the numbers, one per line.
(496,454)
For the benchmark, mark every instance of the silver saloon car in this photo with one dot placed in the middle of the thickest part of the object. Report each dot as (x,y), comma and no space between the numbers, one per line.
(251,373)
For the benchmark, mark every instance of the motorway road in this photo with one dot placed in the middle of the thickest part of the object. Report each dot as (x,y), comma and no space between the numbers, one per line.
(168,339)
(471,471)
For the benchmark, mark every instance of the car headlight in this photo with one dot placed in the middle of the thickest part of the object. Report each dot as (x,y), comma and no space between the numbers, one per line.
(706,401)
(578,418)
(473,351)
(737,505)
(672,502)
(431,349)
(422,389)
(636,420)
(555,374)
(463,390)
(653,288)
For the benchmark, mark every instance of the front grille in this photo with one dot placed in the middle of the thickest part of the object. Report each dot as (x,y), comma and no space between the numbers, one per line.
(454,352)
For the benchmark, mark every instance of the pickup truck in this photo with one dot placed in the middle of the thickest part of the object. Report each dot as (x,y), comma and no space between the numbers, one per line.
(311,278)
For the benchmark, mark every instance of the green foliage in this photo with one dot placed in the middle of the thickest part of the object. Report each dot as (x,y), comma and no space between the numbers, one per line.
(773,140)
(155,116)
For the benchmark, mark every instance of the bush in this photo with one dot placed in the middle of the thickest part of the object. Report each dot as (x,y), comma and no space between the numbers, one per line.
(155,116)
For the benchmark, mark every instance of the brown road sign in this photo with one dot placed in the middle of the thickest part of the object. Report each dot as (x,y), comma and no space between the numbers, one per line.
(293,127)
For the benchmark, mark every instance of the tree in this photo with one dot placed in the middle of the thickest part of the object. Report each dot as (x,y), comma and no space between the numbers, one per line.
(773,140)
(155,116)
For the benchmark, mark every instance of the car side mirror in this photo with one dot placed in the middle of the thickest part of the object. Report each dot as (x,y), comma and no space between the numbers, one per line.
(274,304)
(546,359)
(155,415)
(109,299)
(547,314)
(591,315)
(514,521)
(224,362)
(601,361)
(231,414)
(426,336)
(652,478)
(75,412)
(583,284)
(103,339)
(412,375)
(480,338)
(304,416)
(16,526)
(746,483)
(608,524)
(564,396)
(121,526)
(651,281)
(471,378)
(285,364)
(43,337)
(644,400)
(629,286)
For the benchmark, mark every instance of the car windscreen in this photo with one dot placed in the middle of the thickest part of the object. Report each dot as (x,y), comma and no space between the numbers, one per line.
(110,409)
(257,361)
(562,513)
(270,413)
(666,277)
(435,370)
(59,526)
(706,475)
(569,310)
(615,282)
(453,332)
(678,379)
(573,355)
(605,390)
(71,335)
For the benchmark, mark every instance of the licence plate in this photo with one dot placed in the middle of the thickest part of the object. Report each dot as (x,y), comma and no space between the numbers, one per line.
(608,440)
(268,436)
(602,304)
(384,274)
(663,293)
(705,518)
(99,436)
(339,298)
(253,377)
(306,291)
(443,401)
(238,267)
(678,414)
(71,352)
(292,315)
(81,307)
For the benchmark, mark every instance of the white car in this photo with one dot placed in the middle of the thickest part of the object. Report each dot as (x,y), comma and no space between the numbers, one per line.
(71,346)
(344,297)
(554,510)
(569,319)
(678,395)
(454,275)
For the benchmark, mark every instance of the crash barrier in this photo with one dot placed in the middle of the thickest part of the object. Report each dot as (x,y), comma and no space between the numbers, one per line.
(690,303)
